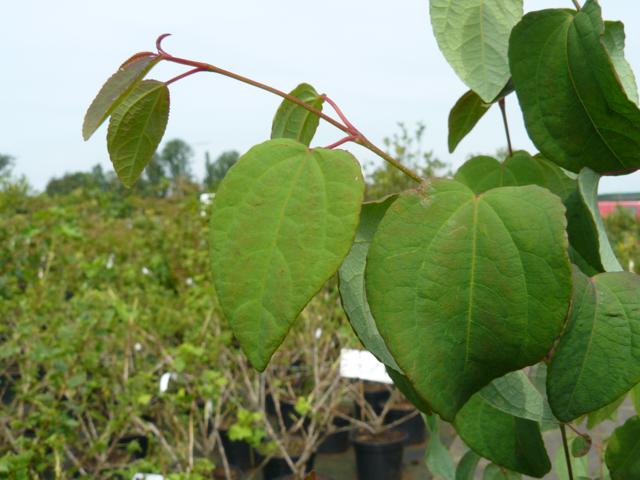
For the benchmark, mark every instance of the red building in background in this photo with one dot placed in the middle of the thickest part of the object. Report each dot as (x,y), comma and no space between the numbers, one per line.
(629,201)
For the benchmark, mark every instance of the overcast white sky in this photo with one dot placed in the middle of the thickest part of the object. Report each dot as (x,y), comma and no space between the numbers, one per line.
(376,58)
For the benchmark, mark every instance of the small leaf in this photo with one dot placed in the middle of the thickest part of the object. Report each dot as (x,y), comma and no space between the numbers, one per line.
(580,466)
(613,39)
(464,115)
(515,394)
(512,442)
(623,451)
(575,109)
(294,121)
(433,268)
(116,89)
(474,38)
(598,357)
(436,455)
(136,128)
(352,289)
(494,472)
(282,221)
(467,467)
(581,446)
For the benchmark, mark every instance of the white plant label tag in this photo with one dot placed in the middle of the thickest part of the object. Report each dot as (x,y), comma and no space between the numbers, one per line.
(361,364)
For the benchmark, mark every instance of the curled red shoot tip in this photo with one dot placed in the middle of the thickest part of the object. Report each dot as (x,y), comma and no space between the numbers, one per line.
(354,132)
(159,44)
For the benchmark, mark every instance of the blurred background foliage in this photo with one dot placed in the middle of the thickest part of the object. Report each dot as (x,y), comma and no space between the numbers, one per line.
(104,290)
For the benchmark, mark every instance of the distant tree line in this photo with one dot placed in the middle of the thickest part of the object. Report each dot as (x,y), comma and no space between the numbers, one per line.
(169,173)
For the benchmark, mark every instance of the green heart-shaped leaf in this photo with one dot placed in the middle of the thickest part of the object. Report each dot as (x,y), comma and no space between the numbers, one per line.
(474,38)
(352,290)
(282,221)
(574,105)
(294,121)
(598,357)
(116,89)
(136,128)
(436,262)
(623,451)
(484,173)
(512,442)
(464,115)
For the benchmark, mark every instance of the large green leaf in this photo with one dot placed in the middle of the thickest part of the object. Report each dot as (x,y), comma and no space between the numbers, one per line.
(598,357)
(590,246)
(484,173)
(574,106)
(474,38)
(294,121)
(623,451)
(613,39)
(466,288)
(352,289)
(466,469)
(464,115)
(282,221)
(115,90)
(136,128)
(512,442)
(436,456)
(515,394)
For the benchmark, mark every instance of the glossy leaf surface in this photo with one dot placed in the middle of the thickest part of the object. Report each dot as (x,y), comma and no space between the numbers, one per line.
(574,106)
(136,128)
(115,90)
(464,115)
(474,38)
(598,357)
(294,121)
(282,221)
(511,442)
(352,289)
(433,270)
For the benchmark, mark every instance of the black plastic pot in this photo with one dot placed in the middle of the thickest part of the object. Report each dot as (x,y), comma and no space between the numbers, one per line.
(239,453)
(379,458)
(337,442)
(141,440)
(414,427)
(277,467)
